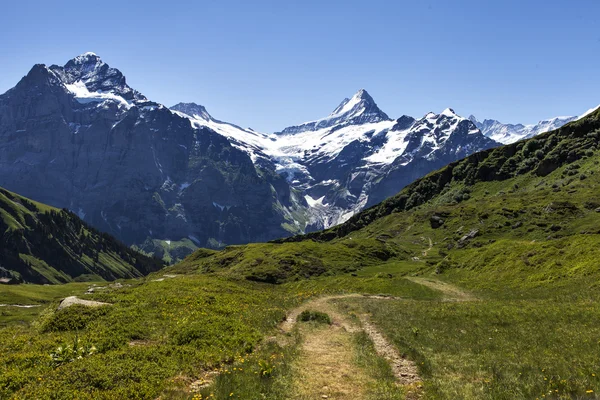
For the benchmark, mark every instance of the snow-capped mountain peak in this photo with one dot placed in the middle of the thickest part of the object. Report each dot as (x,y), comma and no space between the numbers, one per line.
(359,109)
(448,112)
(445,121)
(510,133)
(358,105)
(89,70)
(87,58)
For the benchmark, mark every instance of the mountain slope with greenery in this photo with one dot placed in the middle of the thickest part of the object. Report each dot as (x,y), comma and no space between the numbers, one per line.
(41,244)
(542,190)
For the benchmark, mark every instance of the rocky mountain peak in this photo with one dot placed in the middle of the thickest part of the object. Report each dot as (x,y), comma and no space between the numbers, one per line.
(357,110)
(404,122)
(88,58)
(361,95)
(448,112)
(361,104)
(39,76)
(87,66)
(37,73)
(193,110)
(89,69)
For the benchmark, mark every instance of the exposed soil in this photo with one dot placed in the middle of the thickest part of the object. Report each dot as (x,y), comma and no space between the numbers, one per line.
(425,252)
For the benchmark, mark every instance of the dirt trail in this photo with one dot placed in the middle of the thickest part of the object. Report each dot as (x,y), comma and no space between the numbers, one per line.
(425,252)
(451,292)
(326,369)
(406,371)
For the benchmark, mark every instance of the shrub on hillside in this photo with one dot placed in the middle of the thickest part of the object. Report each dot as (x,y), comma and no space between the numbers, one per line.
(317,316)
(73,318)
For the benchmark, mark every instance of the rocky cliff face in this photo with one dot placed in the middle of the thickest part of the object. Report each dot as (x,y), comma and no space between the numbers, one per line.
(79,137)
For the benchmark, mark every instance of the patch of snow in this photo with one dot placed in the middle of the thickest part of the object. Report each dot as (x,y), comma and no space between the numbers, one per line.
(448,112)
(588,112)
(84,96)
(167,184)
(345,107)
(249,141)
(314,203)
(291,169)
(221,207)
(330,182)
(396,144)
(326,142)
(362,201)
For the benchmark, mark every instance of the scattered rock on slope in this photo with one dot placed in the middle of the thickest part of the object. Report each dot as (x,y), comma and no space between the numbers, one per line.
(72,300)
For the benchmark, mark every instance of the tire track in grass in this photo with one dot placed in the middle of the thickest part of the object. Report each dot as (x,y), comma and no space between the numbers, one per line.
(325,368)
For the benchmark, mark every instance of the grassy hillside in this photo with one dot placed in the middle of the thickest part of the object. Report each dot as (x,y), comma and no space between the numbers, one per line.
(42,244)
(160,335)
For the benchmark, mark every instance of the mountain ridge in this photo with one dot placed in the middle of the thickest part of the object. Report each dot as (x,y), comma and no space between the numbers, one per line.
(565,145)
(67,145)
(71,135)
(336,162)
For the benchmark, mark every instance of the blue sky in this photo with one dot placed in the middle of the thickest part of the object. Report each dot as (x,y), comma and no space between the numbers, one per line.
(270,64)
